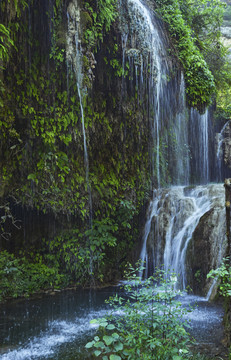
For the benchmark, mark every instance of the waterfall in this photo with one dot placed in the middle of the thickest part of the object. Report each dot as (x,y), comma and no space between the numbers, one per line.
(168,230)
(143,29)
(144,44)
(174,214)
(196,204)
(199,129)
(181,170)
(219,153)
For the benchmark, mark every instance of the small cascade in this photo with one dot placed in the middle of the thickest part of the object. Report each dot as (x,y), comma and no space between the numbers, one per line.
(196,203)
(172,218)
(219,153)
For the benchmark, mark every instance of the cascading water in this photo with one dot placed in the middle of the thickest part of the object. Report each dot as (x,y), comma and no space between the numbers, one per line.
(173,216)
(181,169)
(144,44)
(190,207)
(199,143)
(143,30)
(219,153)
(180,142)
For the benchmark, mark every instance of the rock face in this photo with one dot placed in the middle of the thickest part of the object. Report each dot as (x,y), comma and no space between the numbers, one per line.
(209,243)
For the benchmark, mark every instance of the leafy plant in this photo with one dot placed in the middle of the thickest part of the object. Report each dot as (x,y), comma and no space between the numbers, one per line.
(21,277)
(83,253)
(223,274)
(145,323)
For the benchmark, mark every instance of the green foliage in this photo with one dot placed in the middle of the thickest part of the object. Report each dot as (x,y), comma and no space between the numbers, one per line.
(151,325)
(5,44)
(223,275)
(205,19)
(42,155)
(102,14)
(191,24)
(21,277)
(83,253)
(223,109)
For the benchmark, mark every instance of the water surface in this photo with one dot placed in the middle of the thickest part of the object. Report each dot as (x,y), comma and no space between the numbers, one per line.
(56,327)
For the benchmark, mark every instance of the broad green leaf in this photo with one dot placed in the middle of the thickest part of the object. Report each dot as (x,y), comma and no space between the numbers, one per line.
(119,347)
(108,339)
(89,345)
(103,324)
(115,357)
(110,327)
(97,352)
(99,344)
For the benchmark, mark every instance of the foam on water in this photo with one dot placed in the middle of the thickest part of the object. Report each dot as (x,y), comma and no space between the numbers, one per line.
(57,333)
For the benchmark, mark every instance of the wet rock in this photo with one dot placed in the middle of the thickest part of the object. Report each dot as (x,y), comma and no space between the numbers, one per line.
(208,245)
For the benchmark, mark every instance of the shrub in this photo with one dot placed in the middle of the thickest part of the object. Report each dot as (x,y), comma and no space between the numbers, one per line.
(145,323)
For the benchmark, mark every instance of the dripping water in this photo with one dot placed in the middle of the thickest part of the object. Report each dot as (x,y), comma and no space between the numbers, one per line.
(77,65)
(124,39)
(86,161)
(76,60)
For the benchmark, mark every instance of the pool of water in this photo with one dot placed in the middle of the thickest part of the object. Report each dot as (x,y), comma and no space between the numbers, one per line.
(52,327)
(58,326)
